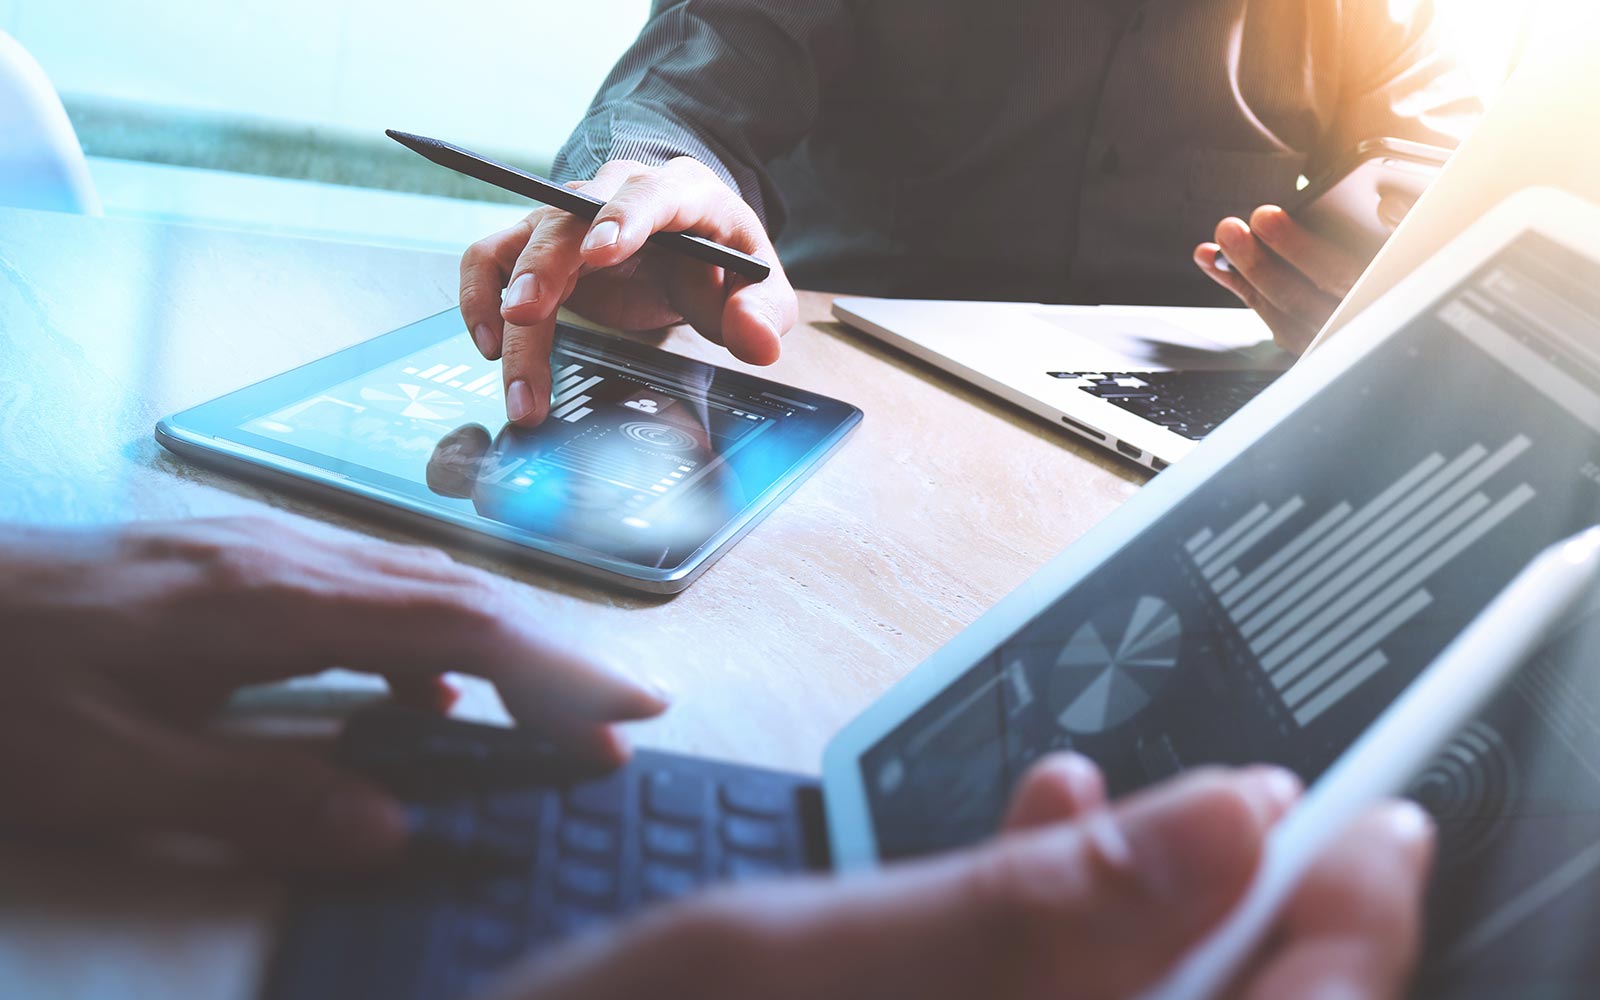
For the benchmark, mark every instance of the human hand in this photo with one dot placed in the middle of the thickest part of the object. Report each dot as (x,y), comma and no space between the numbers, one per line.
(122,642)
(1076,899)
(1293,278)
(603,270)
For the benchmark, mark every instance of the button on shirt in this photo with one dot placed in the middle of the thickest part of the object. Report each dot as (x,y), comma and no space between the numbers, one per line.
(1040,150)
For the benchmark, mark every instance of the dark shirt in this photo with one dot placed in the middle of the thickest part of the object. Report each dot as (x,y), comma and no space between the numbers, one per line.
(1039,150)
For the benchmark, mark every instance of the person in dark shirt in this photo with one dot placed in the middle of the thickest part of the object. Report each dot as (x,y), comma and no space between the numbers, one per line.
(1034,150)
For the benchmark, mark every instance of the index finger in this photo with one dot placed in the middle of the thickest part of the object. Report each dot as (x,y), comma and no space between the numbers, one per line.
(484,269)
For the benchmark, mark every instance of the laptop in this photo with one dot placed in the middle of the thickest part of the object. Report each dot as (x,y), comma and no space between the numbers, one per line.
(1145,381)
(1267,599)
(1149,383)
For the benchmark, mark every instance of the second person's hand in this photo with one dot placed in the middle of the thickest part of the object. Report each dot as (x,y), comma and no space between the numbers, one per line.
(603,270)
(121,643)
(1292,278)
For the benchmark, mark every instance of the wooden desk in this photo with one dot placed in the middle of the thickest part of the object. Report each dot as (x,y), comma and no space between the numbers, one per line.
(941,503)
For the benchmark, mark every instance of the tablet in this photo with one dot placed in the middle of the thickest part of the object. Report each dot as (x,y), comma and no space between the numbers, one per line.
(1269,597)
(649,467)
(1538,606)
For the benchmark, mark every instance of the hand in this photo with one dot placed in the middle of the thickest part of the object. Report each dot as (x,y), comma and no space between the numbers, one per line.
(121,643)
(1076,899)
(1291,277)
(604,271)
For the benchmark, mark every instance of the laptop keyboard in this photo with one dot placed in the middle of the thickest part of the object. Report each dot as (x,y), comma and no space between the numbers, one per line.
(501,867)
(1188,403)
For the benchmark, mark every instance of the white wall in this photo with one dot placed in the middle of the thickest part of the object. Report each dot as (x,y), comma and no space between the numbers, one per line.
(505,74)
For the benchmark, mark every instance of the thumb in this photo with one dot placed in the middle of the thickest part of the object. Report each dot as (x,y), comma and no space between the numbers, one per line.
(275,805)
(1102,906)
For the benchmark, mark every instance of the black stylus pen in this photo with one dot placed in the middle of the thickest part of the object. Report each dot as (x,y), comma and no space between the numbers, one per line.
(550,193)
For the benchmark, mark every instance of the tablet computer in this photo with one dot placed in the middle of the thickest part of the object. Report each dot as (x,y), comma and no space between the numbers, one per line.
(1269,597)
(649,467)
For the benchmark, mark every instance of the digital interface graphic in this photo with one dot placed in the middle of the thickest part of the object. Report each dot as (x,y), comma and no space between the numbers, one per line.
(1275,611)
(639,460)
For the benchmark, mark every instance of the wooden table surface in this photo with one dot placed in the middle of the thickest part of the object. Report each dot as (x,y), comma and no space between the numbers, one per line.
(941,502)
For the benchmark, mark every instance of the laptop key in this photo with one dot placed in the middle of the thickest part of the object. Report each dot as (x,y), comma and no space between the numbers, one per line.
(581,881)
(583,837)
(741,868)
(575,919)
(756,797)
(668,882)
(604,797)
(752,836)
(669,840)
(676,795)
(493,941)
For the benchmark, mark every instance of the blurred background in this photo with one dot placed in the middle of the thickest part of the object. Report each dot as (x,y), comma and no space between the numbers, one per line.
(268,114)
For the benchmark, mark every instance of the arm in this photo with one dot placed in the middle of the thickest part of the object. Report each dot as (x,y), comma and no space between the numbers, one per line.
(729,83)
(1398,81)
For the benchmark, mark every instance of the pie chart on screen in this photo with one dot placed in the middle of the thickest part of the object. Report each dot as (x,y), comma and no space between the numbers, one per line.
(1114,664)
(415,401)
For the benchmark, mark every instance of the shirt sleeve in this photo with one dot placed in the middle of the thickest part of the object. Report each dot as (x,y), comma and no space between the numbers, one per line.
(731,83)
(1398,79)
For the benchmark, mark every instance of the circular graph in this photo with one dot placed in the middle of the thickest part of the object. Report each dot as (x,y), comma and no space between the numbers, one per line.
(659,436)
(415,401)
(1468,789)
(1114,664)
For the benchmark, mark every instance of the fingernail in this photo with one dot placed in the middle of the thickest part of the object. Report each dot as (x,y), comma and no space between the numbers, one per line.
(522,292)
(1276,787)
(658,687)
(483,336)
(1408,822)
(1268,222)
(601,236)
(1108,840)
(1083,779)
(519,400)
(363,823)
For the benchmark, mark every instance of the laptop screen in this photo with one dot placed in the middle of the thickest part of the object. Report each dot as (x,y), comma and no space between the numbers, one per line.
(1275,611)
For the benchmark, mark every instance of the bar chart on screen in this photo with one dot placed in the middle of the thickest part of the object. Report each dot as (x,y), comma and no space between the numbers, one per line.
(485,382)
(1316,611)
(572,385)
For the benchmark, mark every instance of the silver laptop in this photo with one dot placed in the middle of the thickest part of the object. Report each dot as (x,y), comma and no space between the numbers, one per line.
(1146,381)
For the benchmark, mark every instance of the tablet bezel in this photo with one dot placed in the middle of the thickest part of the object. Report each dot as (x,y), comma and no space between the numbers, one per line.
(1557,215)
(200,434)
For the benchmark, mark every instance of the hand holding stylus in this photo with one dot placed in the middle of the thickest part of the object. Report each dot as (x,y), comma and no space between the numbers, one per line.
(604,271)
(1077,898)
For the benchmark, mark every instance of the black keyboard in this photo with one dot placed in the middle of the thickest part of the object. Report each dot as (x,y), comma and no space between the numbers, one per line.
(509,857)
(1189,403)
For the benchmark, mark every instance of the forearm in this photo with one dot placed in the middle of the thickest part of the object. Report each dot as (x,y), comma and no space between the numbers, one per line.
(867,937)
(1398,80)
(731,83)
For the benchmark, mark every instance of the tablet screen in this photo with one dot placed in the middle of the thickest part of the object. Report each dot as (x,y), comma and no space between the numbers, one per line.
(1278,608)
(646,456)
